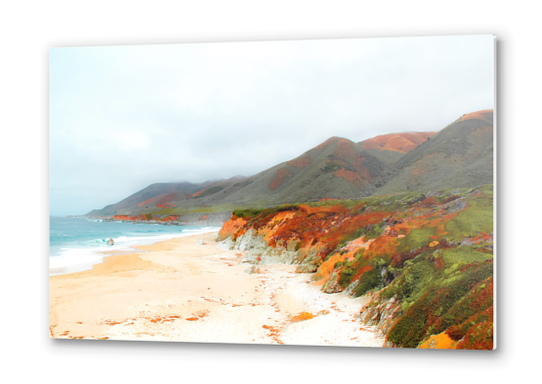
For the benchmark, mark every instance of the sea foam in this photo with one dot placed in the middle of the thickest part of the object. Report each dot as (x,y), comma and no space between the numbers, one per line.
(80,254)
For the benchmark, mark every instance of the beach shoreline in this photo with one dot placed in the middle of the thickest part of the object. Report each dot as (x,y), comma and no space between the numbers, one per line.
(125,246)
(179,290)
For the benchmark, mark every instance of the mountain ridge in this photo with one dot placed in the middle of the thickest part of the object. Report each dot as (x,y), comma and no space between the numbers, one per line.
(459,155)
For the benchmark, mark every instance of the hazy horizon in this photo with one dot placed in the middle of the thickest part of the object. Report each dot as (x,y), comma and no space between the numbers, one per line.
(124,117)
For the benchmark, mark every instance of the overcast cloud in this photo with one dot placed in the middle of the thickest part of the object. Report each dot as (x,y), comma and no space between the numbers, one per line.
(122,118)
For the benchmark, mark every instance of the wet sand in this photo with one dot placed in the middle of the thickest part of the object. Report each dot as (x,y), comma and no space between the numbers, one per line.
(177,290)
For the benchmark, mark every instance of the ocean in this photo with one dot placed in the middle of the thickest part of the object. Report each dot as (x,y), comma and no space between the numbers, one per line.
(74,242)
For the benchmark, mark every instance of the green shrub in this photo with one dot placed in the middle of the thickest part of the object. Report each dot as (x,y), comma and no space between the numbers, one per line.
(371,279)
(376,231)
(346,276)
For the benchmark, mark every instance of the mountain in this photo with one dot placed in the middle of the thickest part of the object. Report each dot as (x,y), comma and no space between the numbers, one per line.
(390,148)
(337,168)
(460,155)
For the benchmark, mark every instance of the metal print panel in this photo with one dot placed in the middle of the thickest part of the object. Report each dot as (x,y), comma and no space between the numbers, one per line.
(321,192)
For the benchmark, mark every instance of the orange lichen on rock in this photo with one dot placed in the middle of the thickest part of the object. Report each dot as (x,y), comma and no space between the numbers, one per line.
(440,341)
(358,243)
(231,227)
(276,224)
(382,245)
(324,271)
(281,176)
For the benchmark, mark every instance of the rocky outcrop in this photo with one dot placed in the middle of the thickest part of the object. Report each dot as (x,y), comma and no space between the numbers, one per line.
(383,314)
(260,252)
(433,251)
(306,268)
(332,285)
(197,219)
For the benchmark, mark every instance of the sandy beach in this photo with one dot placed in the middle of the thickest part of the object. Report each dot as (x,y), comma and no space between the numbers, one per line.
(177,290)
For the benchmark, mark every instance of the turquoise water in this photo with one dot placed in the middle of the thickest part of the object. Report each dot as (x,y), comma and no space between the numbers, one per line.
(74,243)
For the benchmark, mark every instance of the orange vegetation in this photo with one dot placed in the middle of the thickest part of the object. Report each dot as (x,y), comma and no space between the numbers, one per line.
(347,152)
(486,129)
(232,227)
(317,231)
(332,140)
(130,218)
(144,218)
(349,175)
(300,162)
(280,177)
(397,142)
(163,200)
(440,341)
(198,193)
(486,115)
(353,247)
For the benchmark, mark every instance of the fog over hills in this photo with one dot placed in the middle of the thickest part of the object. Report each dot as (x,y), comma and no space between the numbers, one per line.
(460,155)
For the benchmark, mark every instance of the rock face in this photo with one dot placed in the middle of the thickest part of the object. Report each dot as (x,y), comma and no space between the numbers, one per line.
(332,285)
(381,313)
(306,268)
(259,252)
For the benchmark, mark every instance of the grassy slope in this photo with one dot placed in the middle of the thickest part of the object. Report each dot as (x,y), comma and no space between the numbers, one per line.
(461,155)
(432,253)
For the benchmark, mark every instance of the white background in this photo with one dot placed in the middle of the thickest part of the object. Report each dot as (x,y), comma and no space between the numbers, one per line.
(28,29)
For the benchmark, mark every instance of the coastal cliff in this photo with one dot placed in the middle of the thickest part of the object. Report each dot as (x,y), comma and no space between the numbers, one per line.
(424,259)
(199,219)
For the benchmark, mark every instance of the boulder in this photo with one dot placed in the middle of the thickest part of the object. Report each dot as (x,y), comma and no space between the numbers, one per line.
(306,268)
(332,285)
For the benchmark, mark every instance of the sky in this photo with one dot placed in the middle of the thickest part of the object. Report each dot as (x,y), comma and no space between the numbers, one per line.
(124,117)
